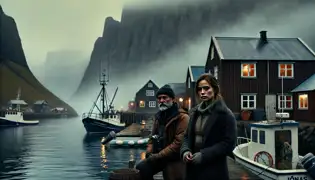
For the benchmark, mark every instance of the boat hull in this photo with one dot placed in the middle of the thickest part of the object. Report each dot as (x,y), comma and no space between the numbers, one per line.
(9,123)
(269,173)
(95,126)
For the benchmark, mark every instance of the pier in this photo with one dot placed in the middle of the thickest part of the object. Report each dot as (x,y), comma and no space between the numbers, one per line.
(236,172)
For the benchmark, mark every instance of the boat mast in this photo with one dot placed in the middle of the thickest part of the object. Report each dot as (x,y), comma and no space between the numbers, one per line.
(18,97)
(103,83)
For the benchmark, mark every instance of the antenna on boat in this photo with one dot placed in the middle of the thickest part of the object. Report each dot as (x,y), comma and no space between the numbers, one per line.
(18,97)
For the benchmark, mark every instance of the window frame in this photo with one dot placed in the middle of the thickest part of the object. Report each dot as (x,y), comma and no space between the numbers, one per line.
(152,102)
(248,95)
(254,136)
(150,85)
(299,102)
(149,92)
(255,70)
(216,72)
(141,103)
(285,102)
(285,70)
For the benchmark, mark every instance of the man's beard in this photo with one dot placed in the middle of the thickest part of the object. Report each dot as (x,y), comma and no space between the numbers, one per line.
(164,106)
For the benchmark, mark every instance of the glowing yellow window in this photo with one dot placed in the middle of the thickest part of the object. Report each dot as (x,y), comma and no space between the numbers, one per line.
(303,101)
(142,104)
(248,70)
(286,70)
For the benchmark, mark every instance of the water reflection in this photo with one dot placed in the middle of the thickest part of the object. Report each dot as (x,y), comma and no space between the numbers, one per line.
(58,149)
(108,159)
(13,148)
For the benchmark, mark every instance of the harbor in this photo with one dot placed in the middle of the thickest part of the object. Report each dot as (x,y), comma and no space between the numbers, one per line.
(43,151)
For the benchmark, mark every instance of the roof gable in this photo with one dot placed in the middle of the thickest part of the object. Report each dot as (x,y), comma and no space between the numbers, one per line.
(195,72)
(246,48)
(178,88)
(146,86)
(307,85)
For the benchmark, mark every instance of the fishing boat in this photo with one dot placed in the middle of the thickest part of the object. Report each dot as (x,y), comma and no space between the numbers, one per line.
(107,118)
(14,117)
(271,152)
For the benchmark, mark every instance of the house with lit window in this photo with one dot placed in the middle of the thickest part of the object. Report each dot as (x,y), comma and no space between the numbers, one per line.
(304,100)
(254,71)
(193,73)
(145,100)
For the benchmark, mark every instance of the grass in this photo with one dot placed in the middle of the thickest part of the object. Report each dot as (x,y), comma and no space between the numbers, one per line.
(14,76)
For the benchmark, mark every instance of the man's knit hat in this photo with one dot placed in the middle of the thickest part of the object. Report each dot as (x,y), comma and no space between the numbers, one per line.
(167,90)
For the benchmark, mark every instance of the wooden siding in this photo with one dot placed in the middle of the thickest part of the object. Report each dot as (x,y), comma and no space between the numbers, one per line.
(141,96)
(232,85)
(304,115)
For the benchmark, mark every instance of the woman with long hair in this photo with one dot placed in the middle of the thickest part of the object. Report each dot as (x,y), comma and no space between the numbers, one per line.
(211,134)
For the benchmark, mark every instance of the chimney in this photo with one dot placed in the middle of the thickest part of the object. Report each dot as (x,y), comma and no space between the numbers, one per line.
(263,36)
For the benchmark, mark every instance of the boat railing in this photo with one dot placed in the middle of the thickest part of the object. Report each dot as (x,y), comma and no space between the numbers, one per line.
(93,115)
(242,140)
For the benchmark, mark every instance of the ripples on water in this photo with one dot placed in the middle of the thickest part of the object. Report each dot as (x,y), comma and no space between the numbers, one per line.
(58,149)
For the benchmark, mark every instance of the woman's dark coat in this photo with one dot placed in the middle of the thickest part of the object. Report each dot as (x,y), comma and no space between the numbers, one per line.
(218,142)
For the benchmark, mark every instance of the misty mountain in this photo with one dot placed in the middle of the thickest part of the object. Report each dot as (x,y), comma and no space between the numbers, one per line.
(160,41)
(64,68)
(14,71)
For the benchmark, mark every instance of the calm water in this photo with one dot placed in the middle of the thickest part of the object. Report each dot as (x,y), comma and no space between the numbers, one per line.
(58,149)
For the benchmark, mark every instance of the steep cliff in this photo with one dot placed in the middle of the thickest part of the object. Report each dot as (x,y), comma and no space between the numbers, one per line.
(145,35)
(10,42)
(14,71)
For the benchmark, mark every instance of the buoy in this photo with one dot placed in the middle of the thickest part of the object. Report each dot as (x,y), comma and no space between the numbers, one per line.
(120,142)
(131,142)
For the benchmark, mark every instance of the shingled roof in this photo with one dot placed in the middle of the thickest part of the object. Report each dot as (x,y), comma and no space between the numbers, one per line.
(247,48)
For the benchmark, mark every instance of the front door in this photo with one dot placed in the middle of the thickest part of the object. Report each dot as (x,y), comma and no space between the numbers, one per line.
(270,106)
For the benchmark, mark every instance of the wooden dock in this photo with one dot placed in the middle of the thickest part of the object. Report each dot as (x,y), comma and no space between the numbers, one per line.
(236,172)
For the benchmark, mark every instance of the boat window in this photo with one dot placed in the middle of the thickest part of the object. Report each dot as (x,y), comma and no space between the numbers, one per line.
(262,137)
(254,135)
(283,150)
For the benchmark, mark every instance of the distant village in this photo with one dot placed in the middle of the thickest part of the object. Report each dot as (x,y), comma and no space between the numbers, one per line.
(40,106)
(258,77)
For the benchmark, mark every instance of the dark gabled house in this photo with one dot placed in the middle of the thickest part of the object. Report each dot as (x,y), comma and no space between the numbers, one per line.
(145,100)
(180,92)
(304,100)
(192,76)
(41,106)
(251,69)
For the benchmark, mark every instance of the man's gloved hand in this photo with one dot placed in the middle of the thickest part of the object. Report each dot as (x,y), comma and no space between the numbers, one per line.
(196,158)
(187,156)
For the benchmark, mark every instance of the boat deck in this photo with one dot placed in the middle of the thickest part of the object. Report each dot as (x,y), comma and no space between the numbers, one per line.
(236,172)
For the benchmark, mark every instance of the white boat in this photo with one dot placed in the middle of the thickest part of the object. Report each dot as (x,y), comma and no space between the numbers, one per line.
(14,117)
(272,151)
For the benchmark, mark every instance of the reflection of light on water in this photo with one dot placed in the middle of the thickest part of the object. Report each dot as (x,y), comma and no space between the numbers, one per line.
(142,155)
(103,157)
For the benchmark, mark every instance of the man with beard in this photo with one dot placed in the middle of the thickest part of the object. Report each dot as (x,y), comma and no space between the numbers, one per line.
(169,126)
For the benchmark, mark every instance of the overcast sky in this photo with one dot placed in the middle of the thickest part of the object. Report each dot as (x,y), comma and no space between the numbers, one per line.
(50,25)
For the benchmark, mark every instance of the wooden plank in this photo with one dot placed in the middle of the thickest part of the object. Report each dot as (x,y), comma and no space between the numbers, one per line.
(236,172)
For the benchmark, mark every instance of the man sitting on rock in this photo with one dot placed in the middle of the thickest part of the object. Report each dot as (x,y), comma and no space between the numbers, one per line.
(169,126)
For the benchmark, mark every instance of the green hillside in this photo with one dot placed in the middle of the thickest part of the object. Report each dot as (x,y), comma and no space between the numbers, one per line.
(14,76)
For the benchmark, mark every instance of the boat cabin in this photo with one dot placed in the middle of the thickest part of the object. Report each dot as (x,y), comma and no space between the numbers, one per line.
(275,144)
(14,115)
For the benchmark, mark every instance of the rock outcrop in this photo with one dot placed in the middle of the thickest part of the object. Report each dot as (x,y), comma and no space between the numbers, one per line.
(15,73)
(144,36)
(10,42)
